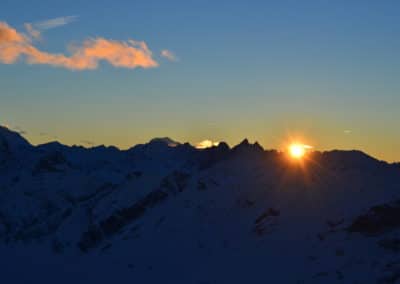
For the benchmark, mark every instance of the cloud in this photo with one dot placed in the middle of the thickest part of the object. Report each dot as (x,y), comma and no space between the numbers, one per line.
(126,54)
(10,35)
(20,130)
(169,55)
(32,32)
(14,128)
(56,22)
(87,142)
(206,144)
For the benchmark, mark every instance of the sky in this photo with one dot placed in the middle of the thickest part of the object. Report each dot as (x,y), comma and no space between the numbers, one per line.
(325,73)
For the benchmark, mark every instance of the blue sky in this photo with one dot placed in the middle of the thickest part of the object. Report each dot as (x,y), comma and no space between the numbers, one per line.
(325,72)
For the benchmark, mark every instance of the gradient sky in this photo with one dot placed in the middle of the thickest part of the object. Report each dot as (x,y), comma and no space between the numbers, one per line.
(324,72)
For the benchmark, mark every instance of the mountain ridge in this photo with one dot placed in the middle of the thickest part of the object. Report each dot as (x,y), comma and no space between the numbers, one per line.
(17,138)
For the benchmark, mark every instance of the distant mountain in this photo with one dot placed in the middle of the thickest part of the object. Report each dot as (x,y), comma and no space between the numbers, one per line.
(166,212)
(12,142)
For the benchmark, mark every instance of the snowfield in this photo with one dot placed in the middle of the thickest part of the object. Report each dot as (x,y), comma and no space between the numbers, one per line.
(165,212)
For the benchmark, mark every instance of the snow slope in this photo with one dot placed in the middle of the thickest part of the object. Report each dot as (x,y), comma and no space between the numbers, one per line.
(167,212)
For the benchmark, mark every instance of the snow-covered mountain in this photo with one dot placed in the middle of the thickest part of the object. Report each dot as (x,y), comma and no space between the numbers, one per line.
(166,212)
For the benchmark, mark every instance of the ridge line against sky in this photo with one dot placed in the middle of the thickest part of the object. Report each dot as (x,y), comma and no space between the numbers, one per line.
(204,144)
(201,145)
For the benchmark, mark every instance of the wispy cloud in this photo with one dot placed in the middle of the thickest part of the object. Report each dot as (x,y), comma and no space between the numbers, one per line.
(87,142)
(169,55)
(56,22)
(32,32)
(127,54)
(20,130)
(14,128)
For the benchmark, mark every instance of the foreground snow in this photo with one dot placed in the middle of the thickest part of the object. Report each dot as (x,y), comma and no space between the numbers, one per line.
(157,213)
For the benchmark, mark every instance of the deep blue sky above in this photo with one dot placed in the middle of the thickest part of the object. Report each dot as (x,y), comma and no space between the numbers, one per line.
(324,72)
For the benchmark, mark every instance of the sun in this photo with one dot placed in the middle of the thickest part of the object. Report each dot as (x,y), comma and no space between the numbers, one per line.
(297,150)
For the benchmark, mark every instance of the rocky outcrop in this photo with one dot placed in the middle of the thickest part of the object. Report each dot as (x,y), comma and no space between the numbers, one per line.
(118,220)
(379,219)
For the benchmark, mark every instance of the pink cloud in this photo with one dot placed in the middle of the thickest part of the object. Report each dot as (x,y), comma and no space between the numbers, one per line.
(126,54)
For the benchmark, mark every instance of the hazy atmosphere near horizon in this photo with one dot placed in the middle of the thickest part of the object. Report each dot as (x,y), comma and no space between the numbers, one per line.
(324,72)
(200,142)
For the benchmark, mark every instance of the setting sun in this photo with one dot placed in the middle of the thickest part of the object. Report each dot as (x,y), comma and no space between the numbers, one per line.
(297,150)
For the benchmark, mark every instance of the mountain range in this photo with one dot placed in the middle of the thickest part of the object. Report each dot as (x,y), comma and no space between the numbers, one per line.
(166,212)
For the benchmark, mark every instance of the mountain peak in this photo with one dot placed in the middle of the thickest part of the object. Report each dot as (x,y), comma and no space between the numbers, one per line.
(223,145)
(164,140)
(10,139)
(245,142)
(245,145)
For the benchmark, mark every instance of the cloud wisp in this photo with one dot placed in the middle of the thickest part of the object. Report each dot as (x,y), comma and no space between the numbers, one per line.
(87,56)
(20,130)
(87,142)
(33,32)
(56,22)
(169,55)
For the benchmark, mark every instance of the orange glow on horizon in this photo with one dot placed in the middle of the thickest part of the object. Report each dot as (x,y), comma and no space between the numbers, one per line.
(206,144)
(298,150)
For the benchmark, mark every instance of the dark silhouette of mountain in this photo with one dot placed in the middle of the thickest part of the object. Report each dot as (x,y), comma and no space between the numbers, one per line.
(165,211)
